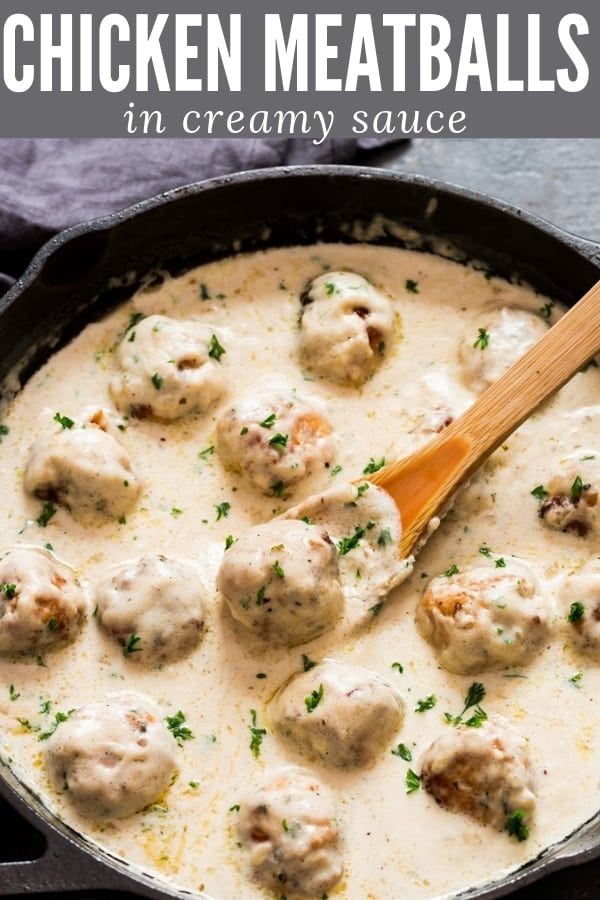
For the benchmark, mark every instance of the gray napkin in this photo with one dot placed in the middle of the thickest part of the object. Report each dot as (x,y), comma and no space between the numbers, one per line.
(48,184)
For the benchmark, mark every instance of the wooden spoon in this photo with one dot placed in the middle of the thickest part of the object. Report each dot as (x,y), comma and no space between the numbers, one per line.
(423,483)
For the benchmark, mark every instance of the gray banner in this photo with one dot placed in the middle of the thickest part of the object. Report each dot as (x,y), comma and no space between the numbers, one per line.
(519,69)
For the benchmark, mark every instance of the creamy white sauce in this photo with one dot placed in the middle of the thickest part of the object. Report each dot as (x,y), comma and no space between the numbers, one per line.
(394,844)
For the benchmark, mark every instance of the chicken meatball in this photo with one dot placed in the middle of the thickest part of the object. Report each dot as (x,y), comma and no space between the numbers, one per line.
(500,339)
(41,602)
(112,757)
(168,368)
(281,581)
(275,440)
(85,468)
(573,493)
(289,830)
(483,772)
(346,326)
(338,713)
(156,600)
(580,596)
(484,618)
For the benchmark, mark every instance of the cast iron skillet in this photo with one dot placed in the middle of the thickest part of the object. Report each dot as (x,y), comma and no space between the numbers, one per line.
(80,273)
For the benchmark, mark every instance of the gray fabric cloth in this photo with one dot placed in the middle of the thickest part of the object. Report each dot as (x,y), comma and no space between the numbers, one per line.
(48,184)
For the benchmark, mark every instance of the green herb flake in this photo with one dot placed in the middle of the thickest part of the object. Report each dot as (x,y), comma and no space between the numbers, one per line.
(576,612)
(9,590)
(178,728)
(12,693)
(175,511)
(500,563)
(473,698)
(256,735)
(483,339)
(376,609)
(49,546)
(157,381)
(413,782)
(374,465)
(47,513)
(411,286)
(64,421)
(485,551)
(222,510)
(132,645)
(307,663)
(329,288)
(235,808)
(385,538)
(244,430)
(516,826)
(134,318)
(59,718)
(215,349)
(206,453)
(312,701)
(345,545)
(277,569)
(277,488)
(399,667)
(4,430)
(52,623)
(362,488)
(540,493)
(403,752)
(335,471)
(269,421)
(546,309)
(279,441)
(426,703)
(576,680)
(450,571)
(307,520)
(577,489)
(203,291)
(229,541)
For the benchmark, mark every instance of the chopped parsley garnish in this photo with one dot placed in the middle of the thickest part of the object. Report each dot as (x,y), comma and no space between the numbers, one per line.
(131,338)
(576,489)
(206,453)
(268,422)
(336,470)
(63,421)
(244,430)
(362,488)
(52,623)
(4,430)
(376,609)
(450,571)
(500,563)
(277,488)
(203,291)
(12,693)
(540,493)
(474,696)
(329,288)
(485,551)
(59,717)
(412,286)
(256,735)
(482,339)
(277,569)
(215,349)
(546,309)
(385,537)
(426,703)
(132,645)
(178,728)
(399,667)
(235,808)
(26,724)
(516,825)
(413,782)
(9,590)
(312,701)
(157,381)
(134,318)
(307,663)
(49,546)
(307,520)
(229,541)
(175,511)
(576,612)
(575,680)
(48,511)
(222,509)
(345,545)
(260,596)
(403,752)
(45,707)
(279,440)
(374,465)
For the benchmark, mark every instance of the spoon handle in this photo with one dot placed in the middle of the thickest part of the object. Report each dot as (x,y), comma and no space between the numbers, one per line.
(423,483)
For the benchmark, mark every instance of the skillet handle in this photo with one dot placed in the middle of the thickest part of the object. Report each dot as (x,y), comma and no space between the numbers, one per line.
(62,868)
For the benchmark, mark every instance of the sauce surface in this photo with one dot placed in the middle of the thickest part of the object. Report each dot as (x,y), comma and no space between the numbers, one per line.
(394,844)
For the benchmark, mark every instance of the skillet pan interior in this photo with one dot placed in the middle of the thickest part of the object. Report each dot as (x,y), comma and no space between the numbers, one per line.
(81,273)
